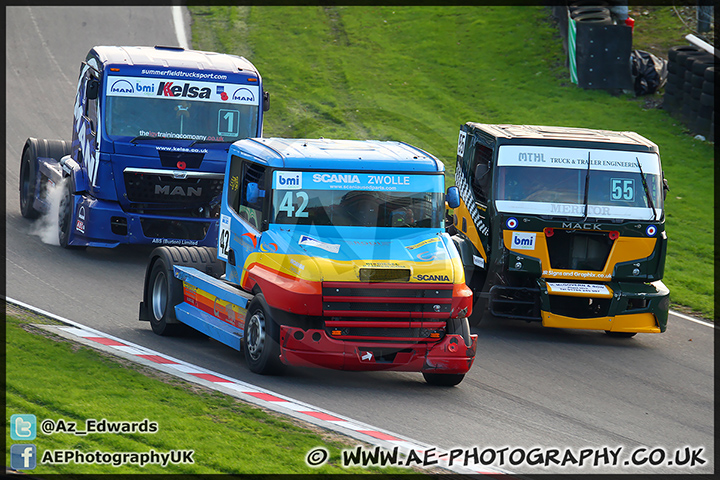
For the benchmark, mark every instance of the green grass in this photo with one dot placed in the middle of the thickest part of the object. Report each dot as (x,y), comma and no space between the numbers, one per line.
(416,74)
(60,380)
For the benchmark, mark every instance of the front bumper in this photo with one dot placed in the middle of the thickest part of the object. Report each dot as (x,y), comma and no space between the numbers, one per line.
(632,308)
(99,223)
(314,348)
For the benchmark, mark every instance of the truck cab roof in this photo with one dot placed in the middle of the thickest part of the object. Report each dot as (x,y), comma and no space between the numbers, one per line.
(570,136)
(327,154)
(172,58)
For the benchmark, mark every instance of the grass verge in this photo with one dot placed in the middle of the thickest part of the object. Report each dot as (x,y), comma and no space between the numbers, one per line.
(416,74)
(53,378)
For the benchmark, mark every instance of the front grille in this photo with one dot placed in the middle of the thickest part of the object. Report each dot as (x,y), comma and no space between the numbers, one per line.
(388,300)
(579,249)
(579,307)
(144,187)
(161,228)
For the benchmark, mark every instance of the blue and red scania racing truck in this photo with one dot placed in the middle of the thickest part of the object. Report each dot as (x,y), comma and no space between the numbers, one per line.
(330,253)
(151,131)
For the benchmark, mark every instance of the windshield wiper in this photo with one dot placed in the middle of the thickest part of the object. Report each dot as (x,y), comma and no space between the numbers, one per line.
(207,141)
(147,137)
(587,184)
(647,190)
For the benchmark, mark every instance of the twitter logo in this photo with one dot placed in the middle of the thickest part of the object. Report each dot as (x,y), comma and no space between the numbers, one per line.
(23,427)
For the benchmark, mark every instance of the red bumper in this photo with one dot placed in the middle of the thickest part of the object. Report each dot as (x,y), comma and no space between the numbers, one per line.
(314,348)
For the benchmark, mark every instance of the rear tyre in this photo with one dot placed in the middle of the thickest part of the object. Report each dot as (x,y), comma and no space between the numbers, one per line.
(163,291)
(443,379)
(620,334)
(28,178)
(261,344)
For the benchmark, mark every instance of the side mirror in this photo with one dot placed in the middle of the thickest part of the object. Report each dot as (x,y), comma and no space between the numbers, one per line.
(481,170)
(253,193)
(453,197)
(266,101)
(92,88)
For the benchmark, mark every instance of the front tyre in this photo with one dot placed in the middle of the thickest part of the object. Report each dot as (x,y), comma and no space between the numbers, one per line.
(443,379)
(620,334)
(65,214)
(262,336)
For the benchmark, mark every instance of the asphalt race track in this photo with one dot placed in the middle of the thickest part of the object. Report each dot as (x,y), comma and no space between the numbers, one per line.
(529,387)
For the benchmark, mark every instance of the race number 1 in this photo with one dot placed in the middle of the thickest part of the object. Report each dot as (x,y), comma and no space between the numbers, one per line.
(224,237)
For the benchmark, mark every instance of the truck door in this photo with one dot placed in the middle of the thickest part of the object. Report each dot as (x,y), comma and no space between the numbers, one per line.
(247,214)
(86,123)
(474,179)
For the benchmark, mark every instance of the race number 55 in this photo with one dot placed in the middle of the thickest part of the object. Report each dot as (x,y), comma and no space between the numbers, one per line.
(623,189)
(461,143)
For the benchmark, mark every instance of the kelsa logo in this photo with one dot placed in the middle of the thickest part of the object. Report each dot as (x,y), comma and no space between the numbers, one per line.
(122,86)
(167,89)
(243,95)
(289,180)
(432,278)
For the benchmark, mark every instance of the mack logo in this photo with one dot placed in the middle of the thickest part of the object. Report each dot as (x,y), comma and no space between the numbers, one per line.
(178,191)
(167,89)
(582,226)
(433,278)
(244,95)
(122,86)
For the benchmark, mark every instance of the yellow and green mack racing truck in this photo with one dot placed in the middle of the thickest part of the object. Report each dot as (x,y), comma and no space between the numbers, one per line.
(562,225)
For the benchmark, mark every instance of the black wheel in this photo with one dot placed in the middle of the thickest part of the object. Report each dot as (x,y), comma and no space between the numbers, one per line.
(620,334)
(162,296)
(28,178)
(674,52)
(443,379)
(708,87)
(595,19)
(710,74)
(163,291)
(261,344)
(65,214)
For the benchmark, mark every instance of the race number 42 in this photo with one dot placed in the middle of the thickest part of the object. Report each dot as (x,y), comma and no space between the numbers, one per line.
(224,237)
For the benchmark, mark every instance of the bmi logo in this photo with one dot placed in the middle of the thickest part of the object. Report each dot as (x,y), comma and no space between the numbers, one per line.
(523,241)
(289,180)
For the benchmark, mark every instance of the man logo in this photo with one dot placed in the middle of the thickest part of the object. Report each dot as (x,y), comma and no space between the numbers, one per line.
(243,95)
(122,86)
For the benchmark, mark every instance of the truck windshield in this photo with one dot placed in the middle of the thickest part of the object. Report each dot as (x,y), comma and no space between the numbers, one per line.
(186,110)
(551,181)
(358,199)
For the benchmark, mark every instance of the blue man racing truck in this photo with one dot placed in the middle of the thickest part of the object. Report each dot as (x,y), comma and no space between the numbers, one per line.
(331,253)
(151,131)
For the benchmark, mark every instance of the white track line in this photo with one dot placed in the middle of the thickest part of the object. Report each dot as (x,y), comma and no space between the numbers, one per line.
(245,391)
(179,26)
(691,319)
